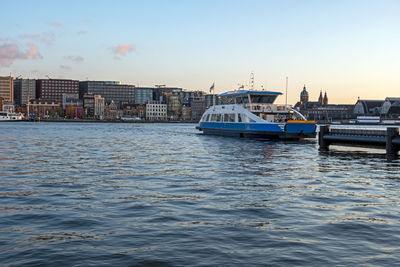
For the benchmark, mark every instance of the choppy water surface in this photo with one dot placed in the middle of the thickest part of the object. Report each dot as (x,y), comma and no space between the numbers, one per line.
(80,194)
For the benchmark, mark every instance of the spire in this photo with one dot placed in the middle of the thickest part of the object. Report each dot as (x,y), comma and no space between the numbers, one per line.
(320,99)
(325,101)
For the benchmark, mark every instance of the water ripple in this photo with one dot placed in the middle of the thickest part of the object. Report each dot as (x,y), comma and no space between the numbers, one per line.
(79,194)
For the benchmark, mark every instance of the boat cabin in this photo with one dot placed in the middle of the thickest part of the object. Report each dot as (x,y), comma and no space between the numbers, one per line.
(248,97)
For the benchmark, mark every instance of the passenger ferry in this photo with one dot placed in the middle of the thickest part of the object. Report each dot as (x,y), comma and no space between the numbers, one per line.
(7,116)
(253,114)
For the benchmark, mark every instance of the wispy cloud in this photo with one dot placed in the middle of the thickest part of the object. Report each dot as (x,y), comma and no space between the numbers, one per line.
(65,67)
(76,59)
(33,51)
(47,38)
(122,50)
(82,32)
(57,24)
(11,52)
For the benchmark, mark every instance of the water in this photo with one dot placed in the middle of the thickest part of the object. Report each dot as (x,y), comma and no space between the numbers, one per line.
(92,194)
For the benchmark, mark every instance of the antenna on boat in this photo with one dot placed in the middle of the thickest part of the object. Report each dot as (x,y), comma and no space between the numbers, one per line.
(252,81)
(287,81)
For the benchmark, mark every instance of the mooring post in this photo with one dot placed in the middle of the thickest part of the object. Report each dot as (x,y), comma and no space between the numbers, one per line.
(323,144)
(391,149)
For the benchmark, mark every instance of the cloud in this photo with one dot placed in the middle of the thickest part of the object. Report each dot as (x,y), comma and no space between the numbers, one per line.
(11,52)
(47,38)
(65,67)
(82,32)
(57,24)
(122,50)
(76,59)
(33,52)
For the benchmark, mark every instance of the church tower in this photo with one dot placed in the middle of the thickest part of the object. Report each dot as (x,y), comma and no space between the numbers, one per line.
(304,96)
(320,99)
(325,99)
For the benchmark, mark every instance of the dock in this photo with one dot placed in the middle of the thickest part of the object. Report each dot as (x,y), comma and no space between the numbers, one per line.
(388,138)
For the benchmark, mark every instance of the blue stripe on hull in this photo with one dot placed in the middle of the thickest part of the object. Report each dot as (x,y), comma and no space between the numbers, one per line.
(262,127)
(257,130)
(236,133)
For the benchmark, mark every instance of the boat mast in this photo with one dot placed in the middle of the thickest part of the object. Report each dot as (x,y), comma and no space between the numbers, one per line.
(252,81)
(286,92)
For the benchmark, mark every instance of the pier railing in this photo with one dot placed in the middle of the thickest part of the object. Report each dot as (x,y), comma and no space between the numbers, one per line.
(388,138)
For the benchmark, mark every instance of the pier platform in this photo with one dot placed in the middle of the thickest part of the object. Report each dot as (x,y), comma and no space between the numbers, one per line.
(386,138)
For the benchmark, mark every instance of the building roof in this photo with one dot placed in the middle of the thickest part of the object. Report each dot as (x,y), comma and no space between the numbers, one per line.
(250,92)
(371,103)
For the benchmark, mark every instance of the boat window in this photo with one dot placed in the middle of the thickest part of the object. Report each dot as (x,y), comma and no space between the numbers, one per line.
(208,117)
(263,98)
(214,117)
(219,117)
(226,117)
(244,118)
(229,117)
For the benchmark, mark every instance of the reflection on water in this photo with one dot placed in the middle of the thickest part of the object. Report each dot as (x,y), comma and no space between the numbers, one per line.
(163,194)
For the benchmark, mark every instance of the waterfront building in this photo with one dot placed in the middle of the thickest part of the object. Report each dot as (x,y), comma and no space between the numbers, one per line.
(156,111)
(111,91)
(88,105)
(304,97)
(72,106)
(198,107)
(68,98)
(44,109)
(1,104)
(211,99)
(111,111)
(186,113)
(368,107)
(174,106)
(321,110)
(143,95)
(93,106)
(53,89)
(160,92)
(188,95)
(24,90)
(99,107)
(7,88)
(135,110)
(391,107)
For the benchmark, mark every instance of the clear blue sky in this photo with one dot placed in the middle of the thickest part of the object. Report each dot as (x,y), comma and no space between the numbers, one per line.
(348,48)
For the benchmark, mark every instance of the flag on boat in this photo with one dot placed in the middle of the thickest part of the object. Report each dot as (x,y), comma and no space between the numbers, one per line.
(212,88)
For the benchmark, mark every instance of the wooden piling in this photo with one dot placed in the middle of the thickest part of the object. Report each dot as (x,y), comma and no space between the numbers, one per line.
(323,144)
(391,149)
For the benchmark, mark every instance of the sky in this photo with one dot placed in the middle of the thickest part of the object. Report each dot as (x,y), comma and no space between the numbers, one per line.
(348,48)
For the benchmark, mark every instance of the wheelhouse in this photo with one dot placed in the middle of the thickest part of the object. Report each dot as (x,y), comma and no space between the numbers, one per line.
(248,97)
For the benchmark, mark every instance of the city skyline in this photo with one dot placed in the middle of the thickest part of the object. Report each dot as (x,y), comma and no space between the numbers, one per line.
(347,48)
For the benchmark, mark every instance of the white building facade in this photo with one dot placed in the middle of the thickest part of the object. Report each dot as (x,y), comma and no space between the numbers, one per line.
(156,111)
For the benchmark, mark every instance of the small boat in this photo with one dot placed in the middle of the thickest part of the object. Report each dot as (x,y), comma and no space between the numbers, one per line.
(7,116)
(253,114)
